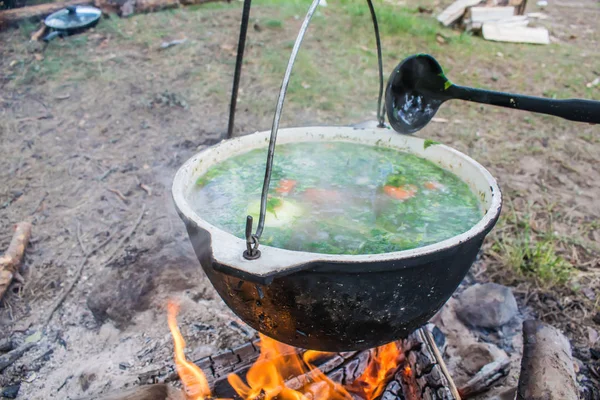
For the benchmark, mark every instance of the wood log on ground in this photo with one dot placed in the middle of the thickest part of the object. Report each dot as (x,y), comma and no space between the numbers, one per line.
(11,260)
(125,8)
(13,17)
(455,11)
(37,35)
(547,371)
(195,2)
(35,13)
(148,6)
(502,33)
(13,355)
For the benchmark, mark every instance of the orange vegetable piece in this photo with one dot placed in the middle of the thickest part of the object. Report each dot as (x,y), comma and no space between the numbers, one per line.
(286,186)
(400,193)
(432,185)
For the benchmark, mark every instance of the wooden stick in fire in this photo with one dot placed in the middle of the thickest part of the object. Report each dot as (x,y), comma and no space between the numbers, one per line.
(11,260)
(440,360)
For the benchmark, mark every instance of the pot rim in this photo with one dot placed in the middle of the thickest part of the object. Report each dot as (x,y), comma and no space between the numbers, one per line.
(227,249)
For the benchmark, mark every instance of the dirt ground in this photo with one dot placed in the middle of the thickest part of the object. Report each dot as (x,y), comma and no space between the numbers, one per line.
(93,128)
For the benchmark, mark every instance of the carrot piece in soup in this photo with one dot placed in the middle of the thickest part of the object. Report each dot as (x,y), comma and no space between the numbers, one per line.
(400,193)
(286,186)
(432,185)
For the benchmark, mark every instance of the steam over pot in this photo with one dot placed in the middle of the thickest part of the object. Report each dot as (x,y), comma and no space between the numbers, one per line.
(336,302)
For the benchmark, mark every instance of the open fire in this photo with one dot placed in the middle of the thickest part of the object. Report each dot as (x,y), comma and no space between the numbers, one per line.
(277,363)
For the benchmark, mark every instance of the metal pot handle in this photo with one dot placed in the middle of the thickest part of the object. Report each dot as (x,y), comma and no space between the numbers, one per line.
(252,240)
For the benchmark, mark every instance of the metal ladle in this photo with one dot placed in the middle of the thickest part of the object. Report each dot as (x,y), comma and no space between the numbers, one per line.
(417,88)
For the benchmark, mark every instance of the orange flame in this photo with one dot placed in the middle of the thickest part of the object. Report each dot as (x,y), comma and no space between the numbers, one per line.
(192,377)
(281,374)
(371,384)
(278,362)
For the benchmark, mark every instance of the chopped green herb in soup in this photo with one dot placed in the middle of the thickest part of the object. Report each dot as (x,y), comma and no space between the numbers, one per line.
(338,198)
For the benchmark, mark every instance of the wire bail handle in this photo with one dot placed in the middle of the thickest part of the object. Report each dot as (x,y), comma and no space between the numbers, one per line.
(252,241)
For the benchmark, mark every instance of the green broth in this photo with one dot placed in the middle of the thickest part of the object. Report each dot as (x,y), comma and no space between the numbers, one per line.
(338,198)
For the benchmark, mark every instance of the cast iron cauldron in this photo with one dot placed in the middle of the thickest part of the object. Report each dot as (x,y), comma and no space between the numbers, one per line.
(336,302)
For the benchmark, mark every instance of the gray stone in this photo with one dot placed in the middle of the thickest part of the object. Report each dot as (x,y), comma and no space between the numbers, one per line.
(488,306)
(11,392)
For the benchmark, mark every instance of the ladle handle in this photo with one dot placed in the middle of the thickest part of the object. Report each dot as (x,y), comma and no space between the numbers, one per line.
(571,109)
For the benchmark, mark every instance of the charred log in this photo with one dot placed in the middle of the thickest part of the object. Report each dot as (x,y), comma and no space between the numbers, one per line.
(547,366)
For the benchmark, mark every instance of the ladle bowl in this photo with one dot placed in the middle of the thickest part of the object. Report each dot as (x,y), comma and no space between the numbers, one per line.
(336,302)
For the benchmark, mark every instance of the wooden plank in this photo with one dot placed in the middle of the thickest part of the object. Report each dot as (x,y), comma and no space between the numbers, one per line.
(517,20)
(455,11)
(485,14)
(515,34)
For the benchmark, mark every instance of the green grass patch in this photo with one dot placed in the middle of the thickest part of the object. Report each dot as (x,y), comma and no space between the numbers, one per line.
(393,20)
(274,24)
(27,28)
(530,254)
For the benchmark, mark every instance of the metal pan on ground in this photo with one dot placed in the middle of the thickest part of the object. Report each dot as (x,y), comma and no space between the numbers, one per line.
(71,20)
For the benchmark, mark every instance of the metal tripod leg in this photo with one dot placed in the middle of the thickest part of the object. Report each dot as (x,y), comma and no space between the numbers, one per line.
(238,66)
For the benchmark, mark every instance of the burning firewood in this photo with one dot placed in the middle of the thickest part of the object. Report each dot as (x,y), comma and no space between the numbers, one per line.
(11,260)
(402,370)
(410,369)
(285,372)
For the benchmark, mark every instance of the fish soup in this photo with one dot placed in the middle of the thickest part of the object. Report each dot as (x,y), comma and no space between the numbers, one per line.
(338,198)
